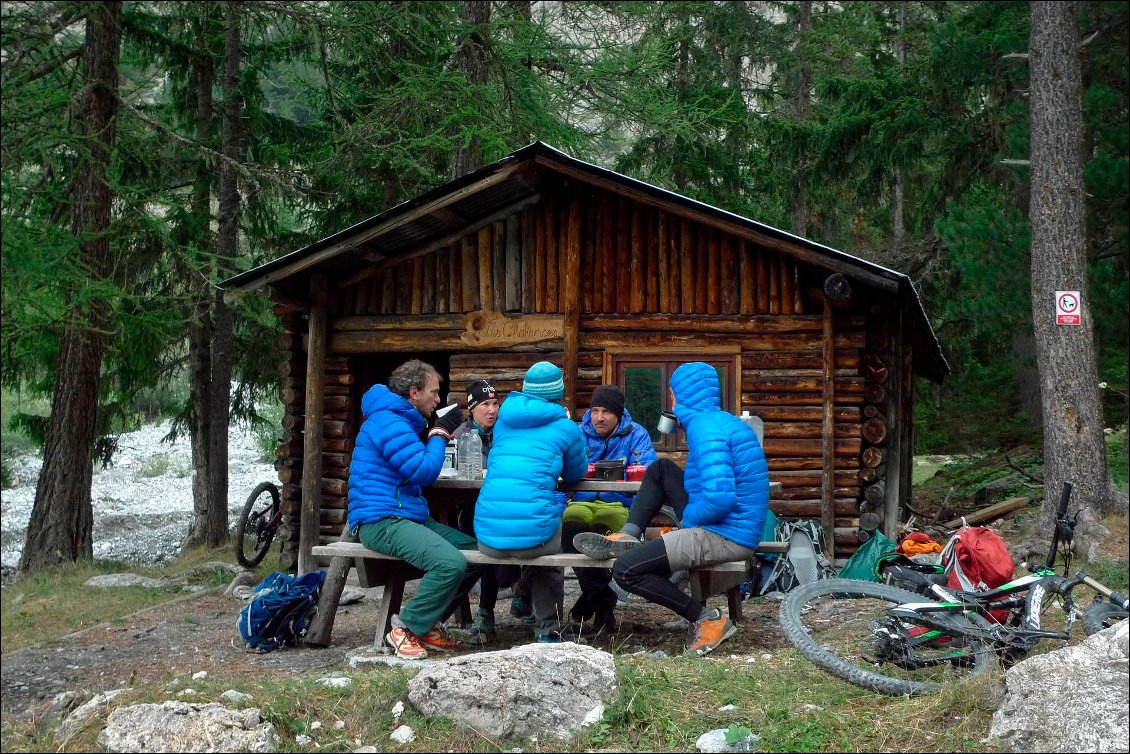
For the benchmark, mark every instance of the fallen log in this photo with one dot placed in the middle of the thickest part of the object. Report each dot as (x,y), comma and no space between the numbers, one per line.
(995,511)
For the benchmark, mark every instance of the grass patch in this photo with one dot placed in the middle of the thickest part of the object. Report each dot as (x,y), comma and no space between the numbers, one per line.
(1116,458)
(661,705)
(41,608)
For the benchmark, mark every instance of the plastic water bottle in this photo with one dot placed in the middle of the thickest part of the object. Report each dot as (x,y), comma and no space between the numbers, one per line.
(470,454)
(756,424)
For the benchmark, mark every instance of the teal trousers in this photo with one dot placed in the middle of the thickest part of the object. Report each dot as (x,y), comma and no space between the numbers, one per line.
(434,549)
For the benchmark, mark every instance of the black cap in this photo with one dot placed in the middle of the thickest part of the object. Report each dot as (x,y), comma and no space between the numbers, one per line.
(479,391)
(608,397)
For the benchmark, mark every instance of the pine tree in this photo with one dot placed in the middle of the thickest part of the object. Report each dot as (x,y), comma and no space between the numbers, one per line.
(62,518)
(1074,449)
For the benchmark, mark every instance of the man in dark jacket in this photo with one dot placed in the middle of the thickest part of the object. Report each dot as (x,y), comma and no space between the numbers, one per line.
(722,499)
(610,434)
(387,508)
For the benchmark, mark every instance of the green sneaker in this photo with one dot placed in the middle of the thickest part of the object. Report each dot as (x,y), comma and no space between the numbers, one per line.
(483,624)
(521,609)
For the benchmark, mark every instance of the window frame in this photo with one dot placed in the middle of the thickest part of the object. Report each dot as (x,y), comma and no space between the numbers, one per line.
(668,358)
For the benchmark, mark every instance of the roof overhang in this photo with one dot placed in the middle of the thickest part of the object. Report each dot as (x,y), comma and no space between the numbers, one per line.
(449,211)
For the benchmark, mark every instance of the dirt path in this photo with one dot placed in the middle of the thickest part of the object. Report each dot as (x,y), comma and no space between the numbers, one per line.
(199,633)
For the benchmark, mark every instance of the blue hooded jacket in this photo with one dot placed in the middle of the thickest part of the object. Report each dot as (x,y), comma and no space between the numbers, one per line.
(629,441)
(390,463)
(534,443)
(726,477)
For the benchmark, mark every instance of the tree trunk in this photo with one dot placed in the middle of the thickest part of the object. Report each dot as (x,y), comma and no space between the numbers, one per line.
(62,518)
(898,221)
(200,328)
(1074,449)
(473,60)
(227,248)
(803,106)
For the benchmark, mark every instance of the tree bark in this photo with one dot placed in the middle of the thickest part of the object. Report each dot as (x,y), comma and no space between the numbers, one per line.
(227,248)
(200,328)
(473,59)
(803,106)
(62,517)
(1074,449)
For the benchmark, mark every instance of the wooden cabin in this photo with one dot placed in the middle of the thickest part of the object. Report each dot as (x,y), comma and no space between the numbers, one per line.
(543,256)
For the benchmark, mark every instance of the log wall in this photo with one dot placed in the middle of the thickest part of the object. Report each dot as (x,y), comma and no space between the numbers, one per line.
(634,259)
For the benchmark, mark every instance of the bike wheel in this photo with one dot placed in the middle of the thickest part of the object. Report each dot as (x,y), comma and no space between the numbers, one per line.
(257,525)
(843,627)
(1101,615)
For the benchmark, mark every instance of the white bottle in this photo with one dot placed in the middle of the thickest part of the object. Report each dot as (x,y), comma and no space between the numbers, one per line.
(756,424)
(470,454)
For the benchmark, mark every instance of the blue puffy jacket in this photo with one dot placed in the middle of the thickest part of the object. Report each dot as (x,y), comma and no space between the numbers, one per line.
(629,441)
(390,463)
(534,444)
(727,479)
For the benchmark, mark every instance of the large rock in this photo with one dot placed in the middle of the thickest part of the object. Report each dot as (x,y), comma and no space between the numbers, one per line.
(535,689)
(179,726)
(1070,700)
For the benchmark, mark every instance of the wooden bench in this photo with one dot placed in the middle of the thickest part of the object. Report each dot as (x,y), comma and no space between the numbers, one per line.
(378,569)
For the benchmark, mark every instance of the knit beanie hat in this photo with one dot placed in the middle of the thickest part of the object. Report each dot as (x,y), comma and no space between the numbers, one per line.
(608,397)
(479,391)
(544,380)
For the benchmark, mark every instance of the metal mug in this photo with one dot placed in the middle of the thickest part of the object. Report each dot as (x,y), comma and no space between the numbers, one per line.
(667,423)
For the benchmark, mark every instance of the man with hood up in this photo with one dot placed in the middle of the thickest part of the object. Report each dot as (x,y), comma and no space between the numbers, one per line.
(722,499)
(387,509)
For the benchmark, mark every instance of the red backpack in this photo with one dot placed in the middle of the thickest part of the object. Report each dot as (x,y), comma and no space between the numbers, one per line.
(977,560)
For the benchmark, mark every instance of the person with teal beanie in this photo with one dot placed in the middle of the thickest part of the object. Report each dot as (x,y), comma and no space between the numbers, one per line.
(518,513)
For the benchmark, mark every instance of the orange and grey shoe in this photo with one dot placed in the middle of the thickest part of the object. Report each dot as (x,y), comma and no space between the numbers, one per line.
(406,644)
(707,633)
(602,546)
(438,638)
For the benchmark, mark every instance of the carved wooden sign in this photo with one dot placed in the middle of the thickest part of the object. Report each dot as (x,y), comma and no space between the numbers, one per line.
(484,329)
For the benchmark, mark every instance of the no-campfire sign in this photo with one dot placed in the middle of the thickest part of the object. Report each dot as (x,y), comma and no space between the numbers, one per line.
(1067,308)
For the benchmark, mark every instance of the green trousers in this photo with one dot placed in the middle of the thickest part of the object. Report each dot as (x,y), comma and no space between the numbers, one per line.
(434,549)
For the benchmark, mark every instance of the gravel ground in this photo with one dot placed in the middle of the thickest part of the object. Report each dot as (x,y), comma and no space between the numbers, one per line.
(143,503)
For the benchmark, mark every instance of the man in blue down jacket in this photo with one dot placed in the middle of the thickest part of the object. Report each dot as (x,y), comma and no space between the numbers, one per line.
(387,508)
(722,499)
(610,434)
(518,513)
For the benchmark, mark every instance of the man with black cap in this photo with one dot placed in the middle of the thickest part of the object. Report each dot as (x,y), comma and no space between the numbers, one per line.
(610,434)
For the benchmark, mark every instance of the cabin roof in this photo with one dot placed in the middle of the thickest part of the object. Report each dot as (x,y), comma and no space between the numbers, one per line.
(509,182)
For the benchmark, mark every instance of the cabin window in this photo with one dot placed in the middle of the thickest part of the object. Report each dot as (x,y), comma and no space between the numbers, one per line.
(644,378)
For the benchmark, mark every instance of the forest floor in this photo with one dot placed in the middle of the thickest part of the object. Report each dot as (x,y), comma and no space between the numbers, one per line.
(178,639)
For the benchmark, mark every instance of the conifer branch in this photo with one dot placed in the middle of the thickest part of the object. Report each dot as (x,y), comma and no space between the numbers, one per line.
(253,175)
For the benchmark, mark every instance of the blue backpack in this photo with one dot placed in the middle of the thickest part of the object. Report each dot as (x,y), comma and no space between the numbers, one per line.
(279,610)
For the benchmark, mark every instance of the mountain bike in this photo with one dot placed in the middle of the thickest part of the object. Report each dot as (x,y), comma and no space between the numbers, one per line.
(888,639)
(258,523)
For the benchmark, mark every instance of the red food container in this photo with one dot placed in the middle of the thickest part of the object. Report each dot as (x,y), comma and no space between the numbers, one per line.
(636,472)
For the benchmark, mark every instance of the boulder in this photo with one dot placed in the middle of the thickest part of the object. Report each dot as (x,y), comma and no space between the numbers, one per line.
(179,726)
(1071,700)
(535,689)
(110,580)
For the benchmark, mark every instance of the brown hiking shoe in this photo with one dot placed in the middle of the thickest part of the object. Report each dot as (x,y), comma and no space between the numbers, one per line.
(603,547)
(708,633)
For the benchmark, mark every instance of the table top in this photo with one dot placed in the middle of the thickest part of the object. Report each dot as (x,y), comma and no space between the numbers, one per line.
(585,485)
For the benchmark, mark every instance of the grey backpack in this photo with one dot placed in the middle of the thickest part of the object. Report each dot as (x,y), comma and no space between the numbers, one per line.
(803,562)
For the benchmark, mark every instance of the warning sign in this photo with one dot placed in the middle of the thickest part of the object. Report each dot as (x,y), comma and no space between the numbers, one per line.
(1067,308)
